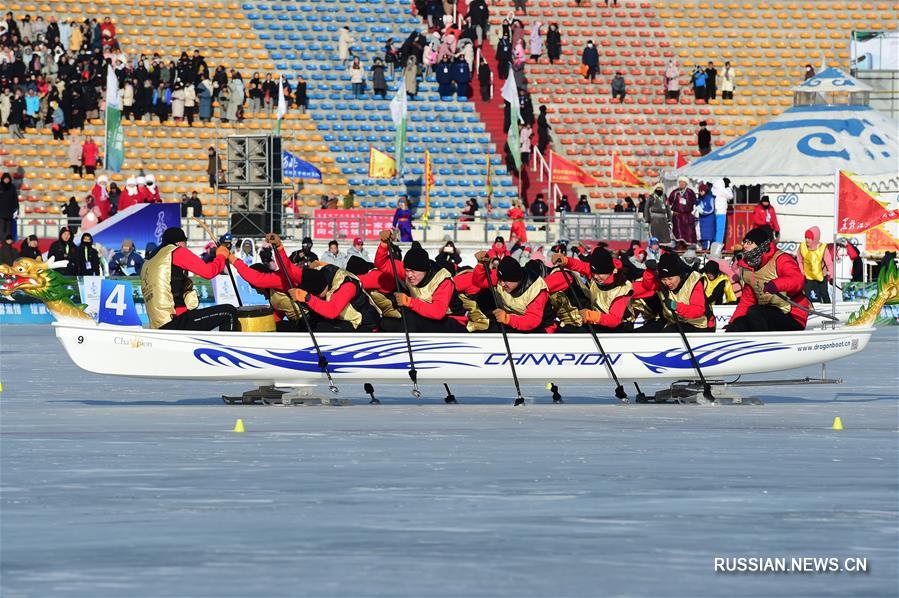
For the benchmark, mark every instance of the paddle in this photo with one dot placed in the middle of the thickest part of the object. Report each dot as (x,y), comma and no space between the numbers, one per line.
(214,239)
(807,310)
(502,329)
(619,389)
(322,360)
(413,373)
(706,387)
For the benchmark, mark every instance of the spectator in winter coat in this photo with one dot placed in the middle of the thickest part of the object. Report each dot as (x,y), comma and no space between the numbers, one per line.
(724,195)
(699,79)
(9,205)
(539,208)
(90,154)
(8,251)
(619,87)
(90,213)
(410,77)
(30,248)
(706,207)
(87,259)
(357,77)
(334,256)
(728,82)
(204,97)
(711,84)
(682,201)
(444,74)
(344,45)
(583,206)
(358,250)
(764,215)
(536,41)
(657,213)
(485,80)
(672,81)
(461,77)
(126,261)
(590,59)
(704,139)
(378,79)
(553,43)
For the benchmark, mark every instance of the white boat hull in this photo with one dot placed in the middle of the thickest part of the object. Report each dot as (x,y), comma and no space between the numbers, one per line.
(845,309)
(284,359)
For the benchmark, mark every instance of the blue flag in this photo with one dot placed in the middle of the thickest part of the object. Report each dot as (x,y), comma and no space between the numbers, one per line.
(295,168)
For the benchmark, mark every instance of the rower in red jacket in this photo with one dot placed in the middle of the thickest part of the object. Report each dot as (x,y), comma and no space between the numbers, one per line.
(336,300)
(426,295)
(274,286)
(609,291)
(522,296)
(379,285)
(681,297)
(768,273)
(169,294)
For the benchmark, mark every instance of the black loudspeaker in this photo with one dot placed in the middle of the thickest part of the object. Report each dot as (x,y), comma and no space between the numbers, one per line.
(254,161)
(257,222)
(747,194)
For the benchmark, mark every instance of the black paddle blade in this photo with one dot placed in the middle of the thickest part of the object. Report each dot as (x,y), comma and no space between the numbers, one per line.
(519,401)
(620,392)
(368,388)
(413,375)
(707,392)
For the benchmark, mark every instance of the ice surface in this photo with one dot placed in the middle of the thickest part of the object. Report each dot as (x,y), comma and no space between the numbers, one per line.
(116,487)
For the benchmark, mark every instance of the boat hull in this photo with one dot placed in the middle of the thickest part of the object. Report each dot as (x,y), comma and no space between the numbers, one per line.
(282,358)
(844,309)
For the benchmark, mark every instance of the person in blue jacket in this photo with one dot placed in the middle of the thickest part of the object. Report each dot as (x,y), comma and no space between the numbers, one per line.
(126,261)
(462,76)
(706,207)
(444,72)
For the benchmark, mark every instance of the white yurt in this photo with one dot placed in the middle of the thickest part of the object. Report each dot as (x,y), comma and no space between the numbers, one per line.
(794,156)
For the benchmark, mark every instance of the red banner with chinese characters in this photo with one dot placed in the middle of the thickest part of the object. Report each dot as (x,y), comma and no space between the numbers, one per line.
(859,210)
(349,224)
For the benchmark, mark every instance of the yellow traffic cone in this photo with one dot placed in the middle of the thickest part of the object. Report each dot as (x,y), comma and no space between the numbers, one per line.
(238,427)
(837,423)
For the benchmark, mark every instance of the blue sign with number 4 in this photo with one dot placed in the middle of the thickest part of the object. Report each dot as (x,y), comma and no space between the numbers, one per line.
(117,304)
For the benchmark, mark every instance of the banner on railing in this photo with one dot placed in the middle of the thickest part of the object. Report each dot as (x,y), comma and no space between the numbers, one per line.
(349,224)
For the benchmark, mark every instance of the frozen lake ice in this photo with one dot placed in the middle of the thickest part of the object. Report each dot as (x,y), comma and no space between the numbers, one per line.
(117,487)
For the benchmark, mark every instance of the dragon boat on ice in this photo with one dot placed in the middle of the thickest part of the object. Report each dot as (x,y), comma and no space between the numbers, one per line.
(291,359)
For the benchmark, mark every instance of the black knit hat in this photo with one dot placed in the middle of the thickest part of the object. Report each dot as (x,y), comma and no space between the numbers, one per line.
(712,268)
(417,259)
(670,265)
(759,235)
(510,270)
(173,235)
(357,265)
(313,281)
(601,261)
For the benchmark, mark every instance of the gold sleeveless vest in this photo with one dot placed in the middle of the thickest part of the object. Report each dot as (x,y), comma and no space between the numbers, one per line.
(756,281)
(426,293)
(283,303)
(683,296)
(156,286)
(518,305)
(602,299)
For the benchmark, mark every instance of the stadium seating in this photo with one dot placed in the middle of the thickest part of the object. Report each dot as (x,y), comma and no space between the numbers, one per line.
(767,43)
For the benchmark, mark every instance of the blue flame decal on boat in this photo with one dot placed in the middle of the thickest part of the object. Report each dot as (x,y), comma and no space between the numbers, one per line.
(708,355)
(378,354)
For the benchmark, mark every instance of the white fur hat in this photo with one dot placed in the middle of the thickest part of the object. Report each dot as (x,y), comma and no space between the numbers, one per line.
(141,180)
(151,180)
(102,180)
(131,182)
(683,179)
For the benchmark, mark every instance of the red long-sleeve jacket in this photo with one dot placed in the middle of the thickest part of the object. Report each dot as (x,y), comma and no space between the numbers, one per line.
(185,258)
(437,307)
(533,315)
(761,217)
(335,304)
(617,309)
(789,281)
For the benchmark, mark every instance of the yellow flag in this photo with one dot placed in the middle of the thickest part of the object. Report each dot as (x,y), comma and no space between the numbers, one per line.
(429,183)
(380,165)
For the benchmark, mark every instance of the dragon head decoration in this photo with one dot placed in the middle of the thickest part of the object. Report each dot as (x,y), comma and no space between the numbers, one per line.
(887,294)
(39,280)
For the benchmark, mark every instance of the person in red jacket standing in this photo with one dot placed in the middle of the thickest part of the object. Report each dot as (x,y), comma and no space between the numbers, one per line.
(90,153)
(100,194)
(769,276)
(764,214)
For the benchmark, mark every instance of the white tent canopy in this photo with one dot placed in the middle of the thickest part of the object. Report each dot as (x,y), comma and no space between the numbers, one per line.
(832,80)
(807,141)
